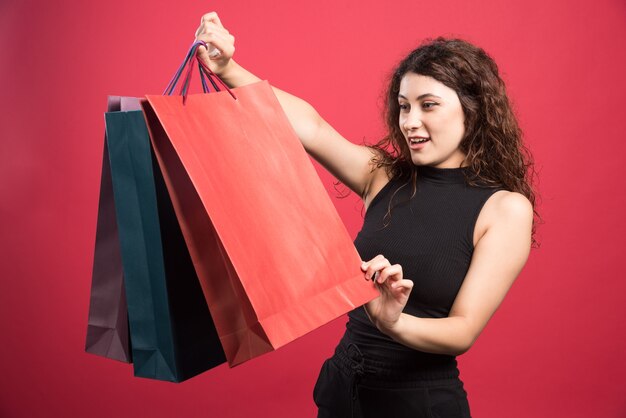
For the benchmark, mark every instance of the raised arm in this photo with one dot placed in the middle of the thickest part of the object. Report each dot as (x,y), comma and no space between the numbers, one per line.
(348,162)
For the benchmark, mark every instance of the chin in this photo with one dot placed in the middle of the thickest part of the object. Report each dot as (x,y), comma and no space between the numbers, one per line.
(420,161)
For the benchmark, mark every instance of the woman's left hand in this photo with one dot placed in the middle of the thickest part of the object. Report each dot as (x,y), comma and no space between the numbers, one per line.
(385,310)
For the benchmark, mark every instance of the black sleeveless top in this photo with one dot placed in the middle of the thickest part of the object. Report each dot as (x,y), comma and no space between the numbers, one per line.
(431,236)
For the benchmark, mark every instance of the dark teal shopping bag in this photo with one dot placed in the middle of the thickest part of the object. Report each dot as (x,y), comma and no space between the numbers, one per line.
(172,333)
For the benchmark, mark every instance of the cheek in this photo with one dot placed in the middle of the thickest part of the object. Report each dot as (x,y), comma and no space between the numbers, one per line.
(401,122)
(454,124)
(460,128)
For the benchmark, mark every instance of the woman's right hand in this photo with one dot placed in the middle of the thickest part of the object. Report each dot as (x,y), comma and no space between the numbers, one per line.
(385,311)
(212,32)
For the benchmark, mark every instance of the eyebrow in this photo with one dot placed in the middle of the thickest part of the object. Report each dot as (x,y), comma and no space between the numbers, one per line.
(420,97)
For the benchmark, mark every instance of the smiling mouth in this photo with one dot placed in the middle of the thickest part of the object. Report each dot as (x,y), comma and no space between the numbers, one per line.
(418,140)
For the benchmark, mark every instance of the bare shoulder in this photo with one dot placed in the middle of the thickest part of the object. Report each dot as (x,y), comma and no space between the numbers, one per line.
(504,208)
(513,207)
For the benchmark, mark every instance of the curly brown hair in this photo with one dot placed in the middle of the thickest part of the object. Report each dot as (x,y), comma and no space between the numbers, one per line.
(495,153)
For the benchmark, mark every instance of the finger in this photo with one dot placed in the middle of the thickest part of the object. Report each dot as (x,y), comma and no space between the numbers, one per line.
(208,28)
(224,44)
(363,268)
(365,264)
(212,27)
(211,17)
(215,36)
(392,272)
(403,285)
(376,265)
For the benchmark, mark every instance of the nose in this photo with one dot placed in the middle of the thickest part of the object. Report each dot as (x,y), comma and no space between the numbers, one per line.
(412,121)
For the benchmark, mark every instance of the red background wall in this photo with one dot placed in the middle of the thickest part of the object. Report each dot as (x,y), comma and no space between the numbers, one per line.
(554,349)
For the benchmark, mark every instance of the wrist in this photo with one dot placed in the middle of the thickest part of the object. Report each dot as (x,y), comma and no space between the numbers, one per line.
(391,329)
(234,75)
(226,71)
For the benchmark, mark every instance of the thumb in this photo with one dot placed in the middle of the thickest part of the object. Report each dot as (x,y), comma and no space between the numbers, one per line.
(203,53)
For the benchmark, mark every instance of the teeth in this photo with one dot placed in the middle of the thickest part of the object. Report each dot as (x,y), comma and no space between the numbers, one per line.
(418,141)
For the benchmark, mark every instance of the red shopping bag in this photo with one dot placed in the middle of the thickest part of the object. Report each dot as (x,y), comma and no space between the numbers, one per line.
(274,259)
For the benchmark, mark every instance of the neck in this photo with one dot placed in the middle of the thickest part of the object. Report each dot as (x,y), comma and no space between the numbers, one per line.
(455,175)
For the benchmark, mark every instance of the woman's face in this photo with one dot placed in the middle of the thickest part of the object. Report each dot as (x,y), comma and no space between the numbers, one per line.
(431,111)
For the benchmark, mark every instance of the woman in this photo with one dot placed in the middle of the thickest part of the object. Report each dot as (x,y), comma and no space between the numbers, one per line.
(449,206)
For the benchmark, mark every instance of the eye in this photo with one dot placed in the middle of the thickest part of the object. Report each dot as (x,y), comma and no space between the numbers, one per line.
(404,106)
(429,105)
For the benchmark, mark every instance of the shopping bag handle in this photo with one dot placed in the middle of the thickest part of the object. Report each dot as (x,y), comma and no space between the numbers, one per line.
(188,59)
(212,75)
(205,73)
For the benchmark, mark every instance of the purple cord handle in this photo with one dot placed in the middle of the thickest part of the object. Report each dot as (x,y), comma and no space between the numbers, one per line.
(205,72)
(174,81)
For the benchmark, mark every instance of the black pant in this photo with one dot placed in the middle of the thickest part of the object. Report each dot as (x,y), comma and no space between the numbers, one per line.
(351,385)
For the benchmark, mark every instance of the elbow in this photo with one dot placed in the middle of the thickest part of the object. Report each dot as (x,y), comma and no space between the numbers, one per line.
(456,349)
(460,349)
(463,344)
(466,331)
